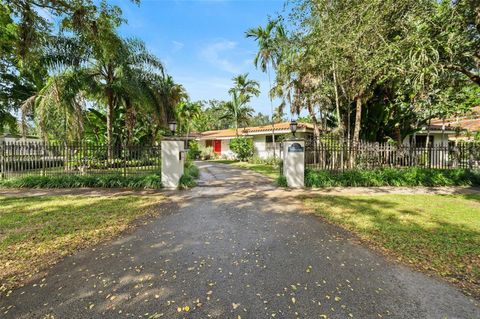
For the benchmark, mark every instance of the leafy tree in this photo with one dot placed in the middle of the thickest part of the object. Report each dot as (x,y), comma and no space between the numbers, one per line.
(18,79)
(210,117)
(380,69)
(260,119)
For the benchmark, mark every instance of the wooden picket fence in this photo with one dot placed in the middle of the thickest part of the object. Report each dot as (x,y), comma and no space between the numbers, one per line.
(337,154)
(46,159)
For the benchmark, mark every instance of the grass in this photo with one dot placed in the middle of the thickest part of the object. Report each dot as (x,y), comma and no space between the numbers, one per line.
(264,169)
(393,177)
(436,233)
(37,231)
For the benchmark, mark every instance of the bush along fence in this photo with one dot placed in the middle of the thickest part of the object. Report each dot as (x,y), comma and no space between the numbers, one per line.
(330,154)
(20,159)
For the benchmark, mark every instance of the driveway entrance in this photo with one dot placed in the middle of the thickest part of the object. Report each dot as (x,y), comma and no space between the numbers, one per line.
(235,247)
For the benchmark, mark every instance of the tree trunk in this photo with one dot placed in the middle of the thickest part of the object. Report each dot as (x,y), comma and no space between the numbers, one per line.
(236,128)
(316,129)
(358,119)
(272,111)
(129,120)
(337,102)
(155,132)
(398,135)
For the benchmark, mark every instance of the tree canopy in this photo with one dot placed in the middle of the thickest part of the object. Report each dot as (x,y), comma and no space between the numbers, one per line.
(75,78)
(375,69)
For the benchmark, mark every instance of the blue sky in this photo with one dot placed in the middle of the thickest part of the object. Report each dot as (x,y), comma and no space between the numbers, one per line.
(202,42)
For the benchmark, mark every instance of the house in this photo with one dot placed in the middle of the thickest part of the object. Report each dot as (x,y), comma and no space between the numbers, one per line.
(466,127)
(263,144)
(437,153)
(438,135)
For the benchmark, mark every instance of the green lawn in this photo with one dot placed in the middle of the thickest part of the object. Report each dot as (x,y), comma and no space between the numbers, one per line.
(436,233)
(37,231)
(264,169)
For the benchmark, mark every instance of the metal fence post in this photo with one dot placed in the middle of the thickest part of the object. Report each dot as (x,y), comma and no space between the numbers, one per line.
(43,159)
(2,162)
(124,151)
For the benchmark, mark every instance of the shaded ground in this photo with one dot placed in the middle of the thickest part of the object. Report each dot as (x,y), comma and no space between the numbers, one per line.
(235,248)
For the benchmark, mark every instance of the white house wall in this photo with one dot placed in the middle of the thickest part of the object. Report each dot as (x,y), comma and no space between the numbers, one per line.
(10,139)
(437,155)
(438,138)
(259,145)
(226,151)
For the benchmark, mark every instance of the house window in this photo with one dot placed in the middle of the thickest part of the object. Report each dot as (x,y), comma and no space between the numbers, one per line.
(278,138)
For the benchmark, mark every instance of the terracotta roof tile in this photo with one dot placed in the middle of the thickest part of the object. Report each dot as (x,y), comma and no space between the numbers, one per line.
(469,121)
(253,129)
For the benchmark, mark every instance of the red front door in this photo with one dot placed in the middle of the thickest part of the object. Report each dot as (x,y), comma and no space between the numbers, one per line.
(217,146)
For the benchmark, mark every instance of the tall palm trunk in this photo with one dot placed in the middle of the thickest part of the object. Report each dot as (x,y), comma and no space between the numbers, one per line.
(236,122)
(271,109)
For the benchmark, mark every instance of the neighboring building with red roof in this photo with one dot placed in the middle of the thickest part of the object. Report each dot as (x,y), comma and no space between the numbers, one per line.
(219,140)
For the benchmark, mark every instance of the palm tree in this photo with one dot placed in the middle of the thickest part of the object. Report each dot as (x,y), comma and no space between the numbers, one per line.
(57,102)
(168,95)
(186,113)
(266,58)
(236,110)
(244,86)
(116,73)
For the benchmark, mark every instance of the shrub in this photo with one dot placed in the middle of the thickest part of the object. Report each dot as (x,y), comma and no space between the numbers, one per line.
(206,153)
(151,181)
(191,169)
(190,174)
(193,150)
(393,177)
(187,181)
(242,147)
(282,181)
(274,161)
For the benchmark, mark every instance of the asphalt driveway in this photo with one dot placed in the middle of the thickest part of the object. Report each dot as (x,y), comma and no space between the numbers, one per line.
(234,248)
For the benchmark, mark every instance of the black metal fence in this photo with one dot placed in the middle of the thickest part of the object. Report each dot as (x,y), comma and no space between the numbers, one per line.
(46,159)
(338,154)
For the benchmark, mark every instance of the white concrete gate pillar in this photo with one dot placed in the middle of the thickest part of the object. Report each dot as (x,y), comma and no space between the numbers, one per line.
(294,162)
(173,158)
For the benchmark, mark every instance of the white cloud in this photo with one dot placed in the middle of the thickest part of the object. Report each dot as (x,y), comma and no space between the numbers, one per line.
(177,46)
(213,52)
(204,88)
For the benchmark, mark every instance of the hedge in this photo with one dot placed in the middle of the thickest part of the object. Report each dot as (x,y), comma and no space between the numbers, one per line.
(151,181)
(393,177)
